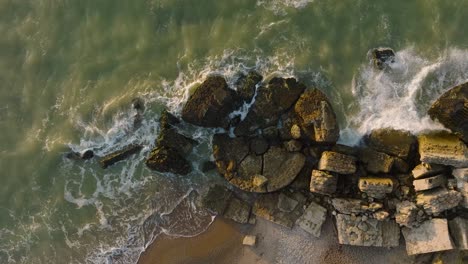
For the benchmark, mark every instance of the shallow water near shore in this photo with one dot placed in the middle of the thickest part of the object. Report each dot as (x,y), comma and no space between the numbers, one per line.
(69,70)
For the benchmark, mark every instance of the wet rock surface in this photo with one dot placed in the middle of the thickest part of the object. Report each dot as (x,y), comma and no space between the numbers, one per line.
(443,148)
(119,155)
(383,57)
(451,109)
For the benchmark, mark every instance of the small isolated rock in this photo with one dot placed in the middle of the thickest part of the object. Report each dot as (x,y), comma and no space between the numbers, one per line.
(238,211)
(119,155)
(323,182)
(376,187)
(313,218)
(429,183)
(381,215)
(426,170)
(337,162)
(249,241)
(431,236)
(438,200)
(376,162)
(295,132)
(382,57)
(459,231)
(443,148)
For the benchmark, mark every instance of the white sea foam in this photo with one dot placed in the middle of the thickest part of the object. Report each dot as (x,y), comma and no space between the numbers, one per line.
(279,6)
(399,98)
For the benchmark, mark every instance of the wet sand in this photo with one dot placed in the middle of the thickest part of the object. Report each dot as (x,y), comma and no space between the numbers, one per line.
(222,243)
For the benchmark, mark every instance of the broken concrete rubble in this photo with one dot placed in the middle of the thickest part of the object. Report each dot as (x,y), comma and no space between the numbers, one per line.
(394,142)
(337,162)
(429,183)
(313,218)
(438,200)
(354,206)
(323,182)
(238,211)
(266,207)
(431,236)
(426,170)
(376,187)
(359,231)
(408,214)
(376,162)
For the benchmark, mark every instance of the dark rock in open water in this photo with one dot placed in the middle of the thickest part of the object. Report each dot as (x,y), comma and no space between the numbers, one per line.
(451,109)
(211,103)
(382,57)
(171,139)
(119,155)
(168,120)
(165,159)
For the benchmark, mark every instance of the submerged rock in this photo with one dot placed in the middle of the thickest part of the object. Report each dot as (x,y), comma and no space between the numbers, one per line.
(443,148)
(451,109)
(317,118)
(84,155)
(119,155)
(211,103)
(382,57)
(431,236)
(165,159)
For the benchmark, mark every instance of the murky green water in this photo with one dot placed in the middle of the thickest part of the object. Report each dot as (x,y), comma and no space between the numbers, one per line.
(69,69)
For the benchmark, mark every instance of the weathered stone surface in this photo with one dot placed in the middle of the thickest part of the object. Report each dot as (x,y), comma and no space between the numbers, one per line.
(376,187)
(119,155)
(266,207)
(337,162)
(165,159)
(246,85)
(359,231)
(451,109)
(313,218)
(259,181)
(281,167)
(228,153)
(286,204)
(459,232)
(238,211)
(461,174)
(317,118)
(398,143)
(438,200)
(168,137)
(211,103)
(376,162)
(216,199)
(271,101)
(259,145)
(323,182)
(382,57)
(429,183)
(293,145)
(249,241)
(443,148)
(431,236)
(354,206)
(381,215)
(426,170)
(168,120)
(250,166)
(408,214)
(83,155)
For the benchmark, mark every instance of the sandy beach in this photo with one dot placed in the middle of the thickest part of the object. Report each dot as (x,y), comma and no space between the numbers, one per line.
(222,243)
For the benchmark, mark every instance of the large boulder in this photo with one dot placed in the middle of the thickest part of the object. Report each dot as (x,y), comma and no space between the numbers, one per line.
(394,142)
(246,85)
(273,99)
(211,103)
(451,109)
(165,159)
(317,118)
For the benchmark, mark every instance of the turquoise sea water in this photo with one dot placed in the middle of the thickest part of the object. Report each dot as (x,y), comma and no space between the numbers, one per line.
(70,68)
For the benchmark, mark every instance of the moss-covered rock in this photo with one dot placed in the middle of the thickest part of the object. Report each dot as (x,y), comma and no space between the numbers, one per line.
(165,159)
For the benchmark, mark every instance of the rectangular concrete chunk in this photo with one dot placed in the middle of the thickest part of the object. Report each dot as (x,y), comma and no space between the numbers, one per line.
(313,218)
(323,182)
(337,162)
(438,200)
(376,187)
(431,236)
(429,183)
(443,148)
